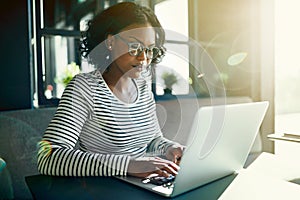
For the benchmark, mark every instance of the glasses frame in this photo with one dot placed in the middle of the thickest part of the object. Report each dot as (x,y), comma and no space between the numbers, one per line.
(140,49)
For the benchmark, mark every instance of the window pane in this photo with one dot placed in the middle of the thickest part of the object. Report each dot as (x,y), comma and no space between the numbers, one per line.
(67,15)
(287,67)
(60,55)
(173,16)
(174,63)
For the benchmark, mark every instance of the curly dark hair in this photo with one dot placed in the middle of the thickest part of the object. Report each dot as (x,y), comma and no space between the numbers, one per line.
(113,20)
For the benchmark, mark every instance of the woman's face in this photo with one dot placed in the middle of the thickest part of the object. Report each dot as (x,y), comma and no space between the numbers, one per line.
(125,55)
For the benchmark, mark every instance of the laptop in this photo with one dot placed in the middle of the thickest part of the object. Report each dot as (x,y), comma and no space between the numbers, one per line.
(218,145)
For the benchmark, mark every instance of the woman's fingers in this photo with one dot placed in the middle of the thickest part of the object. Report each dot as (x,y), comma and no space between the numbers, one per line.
(174,153)
(167,166)
(142,167)
(163,173)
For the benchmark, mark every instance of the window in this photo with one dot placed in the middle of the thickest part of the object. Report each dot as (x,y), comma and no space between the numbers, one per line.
(176,60)
(57,25)
(287,67)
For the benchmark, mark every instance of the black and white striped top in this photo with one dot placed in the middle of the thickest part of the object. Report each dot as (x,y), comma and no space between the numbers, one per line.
(108,131)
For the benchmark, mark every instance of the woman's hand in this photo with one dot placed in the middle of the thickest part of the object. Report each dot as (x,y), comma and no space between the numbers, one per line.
(174,153)
(143,167)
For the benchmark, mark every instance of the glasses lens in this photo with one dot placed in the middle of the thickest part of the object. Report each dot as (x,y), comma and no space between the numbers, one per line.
(152,53)
(134,49)
(149,53)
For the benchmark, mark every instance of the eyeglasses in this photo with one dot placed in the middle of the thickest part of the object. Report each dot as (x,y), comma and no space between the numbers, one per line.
(136,48)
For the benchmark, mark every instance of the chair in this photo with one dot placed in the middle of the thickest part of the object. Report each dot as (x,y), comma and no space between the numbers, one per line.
(6,189)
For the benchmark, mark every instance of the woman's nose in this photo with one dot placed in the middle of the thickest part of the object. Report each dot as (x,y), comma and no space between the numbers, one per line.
(142,56)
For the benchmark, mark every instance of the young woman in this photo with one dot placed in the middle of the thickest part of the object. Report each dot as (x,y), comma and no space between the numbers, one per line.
(110,112)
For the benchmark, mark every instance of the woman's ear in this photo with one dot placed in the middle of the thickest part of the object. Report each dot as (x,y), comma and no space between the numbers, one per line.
(109,42)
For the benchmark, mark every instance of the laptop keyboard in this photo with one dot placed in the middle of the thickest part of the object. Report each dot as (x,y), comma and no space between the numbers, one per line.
(160,180)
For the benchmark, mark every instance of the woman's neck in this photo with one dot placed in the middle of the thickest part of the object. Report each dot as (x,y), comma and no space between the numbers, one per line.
(116,79)
(121,85)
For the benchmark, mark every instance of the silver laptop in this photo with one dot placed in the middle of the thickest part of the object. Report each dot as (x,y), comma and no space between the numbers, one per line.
(219,142)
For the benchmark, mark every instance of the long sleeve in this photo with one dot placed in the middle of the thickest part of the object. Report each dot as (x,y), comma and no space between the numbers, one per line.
(57,153)
(107,131)
(159,145)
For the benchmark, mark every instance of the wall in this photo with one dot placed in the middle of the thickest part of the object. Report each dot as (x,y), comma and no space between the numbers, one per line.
(267,69)
(15,58)
(225,29)
(232,26)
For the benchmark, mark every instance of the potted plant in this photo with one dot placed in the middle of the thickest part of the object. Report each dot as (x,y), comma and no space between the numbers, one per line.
(68,73)
(169,80)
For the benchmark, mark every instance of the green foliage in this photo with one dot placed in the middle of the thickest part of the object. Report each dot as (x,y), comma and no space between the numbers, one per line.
(68,73)
(170,79)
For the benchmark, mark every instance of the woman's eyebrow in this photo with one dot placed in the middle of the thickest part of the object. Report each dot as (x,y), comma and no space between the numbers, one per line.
(140,41)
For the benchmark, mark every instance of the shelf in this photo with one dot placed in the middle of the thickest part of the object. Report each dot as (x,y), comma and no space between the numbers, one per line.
(285,137)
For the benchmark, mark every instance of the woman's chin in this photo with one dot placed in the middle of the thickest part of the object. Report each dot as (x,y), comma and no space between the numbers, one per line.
(135,73)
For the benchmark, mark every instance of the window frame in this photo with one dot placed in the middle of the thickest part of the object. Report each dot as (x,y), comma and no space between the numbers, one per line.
(38,58)
(39,33)
(191,74)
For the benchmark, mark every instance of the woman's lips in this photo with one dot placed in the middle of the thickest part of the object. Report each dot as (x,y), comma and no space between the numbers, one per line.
(138,67)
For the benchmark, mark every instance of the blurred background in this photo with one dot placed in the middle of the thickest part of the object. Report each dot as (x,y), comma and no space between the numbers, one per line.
(253,45)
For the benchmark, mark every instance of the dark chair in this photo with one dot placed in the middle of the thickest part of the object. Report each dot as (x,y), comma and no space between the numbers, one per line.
(20,132)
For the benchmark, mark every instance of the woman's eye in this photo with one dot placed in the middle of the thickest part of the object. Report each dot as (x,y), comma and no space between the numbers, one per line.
(135,46)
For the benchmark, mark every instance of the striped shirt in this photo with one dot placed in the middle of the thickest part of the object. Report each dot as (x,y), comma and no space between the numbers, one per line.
(108,131)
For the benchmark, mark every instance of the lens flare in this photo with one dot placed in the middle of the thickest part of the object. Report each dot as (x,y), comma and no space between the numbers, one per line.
(237,58)
(45,147)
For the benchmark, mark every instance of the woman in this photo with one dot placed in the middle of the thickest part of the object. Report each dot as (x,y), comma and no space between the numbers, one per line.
(110,112)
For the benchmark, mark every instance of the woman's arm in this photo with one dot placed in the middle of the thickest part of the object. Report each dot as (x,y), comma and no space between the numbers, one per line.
(159,146)
(162,146)
(57,154)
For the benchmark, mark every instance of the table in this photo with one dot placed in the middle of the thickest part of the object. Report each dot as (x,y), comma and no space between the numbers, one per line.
(51,187)
(268,177)
(286,145)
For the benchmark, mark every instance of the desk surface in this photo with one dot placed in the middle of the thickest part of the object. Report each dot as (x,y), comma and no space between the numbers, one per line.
(49,187)
(267,177)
